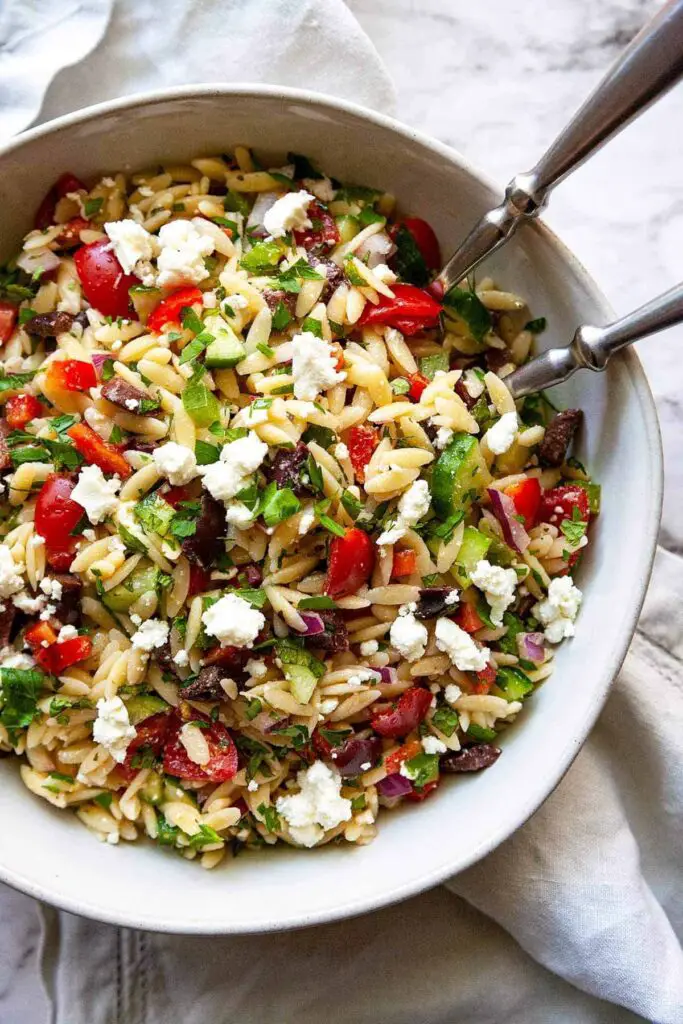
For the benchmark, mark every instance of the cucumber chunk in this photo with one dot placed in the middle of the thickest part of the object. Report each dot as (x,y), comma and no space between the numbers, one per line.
(513,683)
(458,476)
(226,350)
(140,582)
(474,546)
(429,365)
(144,706)
(347,226)
(302,682)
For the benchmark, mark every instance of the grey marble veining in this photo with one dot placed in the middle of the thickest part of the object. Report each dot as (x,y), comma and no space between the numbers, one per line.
(497,79)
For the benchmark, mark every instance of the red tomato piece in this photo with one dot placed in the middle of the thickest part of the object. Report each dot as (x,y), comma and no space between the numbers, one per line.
(170,309)
(174,495)
(425,240)
(559,503)
(98,452)
(70,235)
(200,580)
(394,760)
(362,442)
(411,310)
(349,563)
(59,656)
(405,715)
(467,618)
(322,747)
(8,321)
(405,563)
(418,382)
(21,409)
(527,498)
(418,795)
(39,633)
(104,283)
(223,761)
(485,679)
(150,735)
(323,233)
(72,375)
(45,214)
(56,516)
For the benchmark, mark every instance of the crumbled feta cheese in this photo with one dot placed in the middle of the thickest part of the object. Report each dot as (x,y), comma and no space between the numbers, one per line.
(95,494)
(433,745)
(443,436)
(474,385)
(236,301)
(183,248)
(209,300)
(152,633)
(327,706)
(10,580)
(368,648)
(452,693)
(176,462)
(112,728)
(363,675)
(452,598)
(341,451)
(313,366)
(233,621)
(322,188)
(67,633)
(559,610)
(36,541)
(238,461)
(132,245)
(384,274)
(412,507)
(194,742)
(408,636)
(28,604)
(252,785)
(288,213)
(256,668)
(181,658)
(53,588)
(498,586)
(460,647)
(237,514)
(135,619)
(500,437)
(317,807)
(89,534)
(307,520)
(15,659)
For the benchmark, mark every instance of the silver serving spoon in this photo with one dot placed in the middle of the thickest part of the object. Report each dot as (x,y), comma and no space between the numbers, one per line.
(648,67)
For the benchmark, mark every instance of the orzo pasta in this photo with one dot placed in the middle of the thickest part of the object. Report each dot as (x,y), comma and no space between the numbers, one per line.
(276,551)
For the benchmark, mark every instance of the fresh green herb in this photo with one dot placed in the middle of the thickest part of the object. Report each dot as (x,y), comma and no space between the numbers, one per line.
(469,307)
(593,491)
(575,528)
(370,216)
(352,272)
(62,423)
(25,315)
(32,453)
(278,505)
(116,435)
(235,202)
(351,504)
(15,381)
(254,595)
(107,371)
(265,350)
(263,256)
(481,733)
(271,818)
(166,834)
(82,524)
(354,193)
(335,737)
(231,225)
(400,386)
(104,800)
(254,708)
(445,530)
(321,435)
(314,326)
(206,453)
(147,405)
(321,508)
(409,262)
(315,473)
(19,692)
(298,734)
(316,603)
(184,521)
(536,326)
(154,514)
(281,317)
(445,719)
(131,541)
(195,348)
(204,837)
(303,168)
(290,279)
(200,403)
(92,207)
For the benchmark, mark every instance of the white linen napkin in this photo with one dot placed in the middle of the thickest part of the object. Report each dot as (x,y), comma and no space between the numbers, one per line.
(578,916)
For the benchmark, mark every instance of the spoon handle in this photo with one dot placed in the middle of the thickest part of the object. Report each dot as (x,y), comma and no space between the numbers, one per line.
(592,347)
(648,67)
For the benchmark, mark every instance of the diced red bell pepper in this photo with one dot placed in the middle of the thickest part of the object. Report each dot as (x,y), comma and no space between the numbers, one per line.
(322,235)
(394,760)
(40,633)
(559,503)
(526,496)
(468,618)
(60,656)
(170,309)
(362,442)
(55,518)
(200,579)
(485,679)
(45,214)
(418,382)
(404,564)
(426,241)
(350,563)
(98,452)
(70,235)
(223,762)
(103,281)
(321,746)
(72,375)
(406,714)
(410,311)
(21,409)
(338,351)
(150,735)
(8,321)
(418,795)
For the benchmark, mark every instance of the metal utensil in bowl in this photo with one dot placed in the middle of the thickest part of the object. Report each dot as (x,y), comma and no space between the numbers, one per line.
(592,347)
(648,67)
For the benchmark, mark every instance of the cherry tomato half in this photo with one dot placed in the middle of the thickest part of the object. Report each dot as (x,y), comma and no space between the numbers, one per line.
(350,563)
(104,283)
(361,443)
(426,241)
(559,503)
(21,409)
(56,516)
(8,320)
(170,309)
(526,496)
(406,714)
(223,757)
(45,214)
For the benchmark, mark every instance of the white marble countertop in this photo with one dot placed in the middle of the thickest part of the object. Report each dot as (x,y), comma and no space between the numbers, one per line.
(497,80)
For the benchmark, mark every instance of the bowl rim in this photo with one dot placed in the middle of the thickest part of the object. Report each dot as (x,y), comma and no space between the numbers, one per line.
(534,796)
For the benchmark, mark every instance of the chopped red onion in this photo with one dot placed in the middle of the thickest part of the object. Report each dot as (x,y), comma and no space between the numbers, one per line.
(314,623)
(379,248)
(388,674)
(395,785)
(532,646)
(40,259)
(505,512)
(98,361)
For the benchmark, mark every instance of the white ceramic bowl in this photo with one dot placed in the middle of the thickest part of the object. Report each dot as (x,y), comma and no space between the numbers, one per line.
(48,853)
